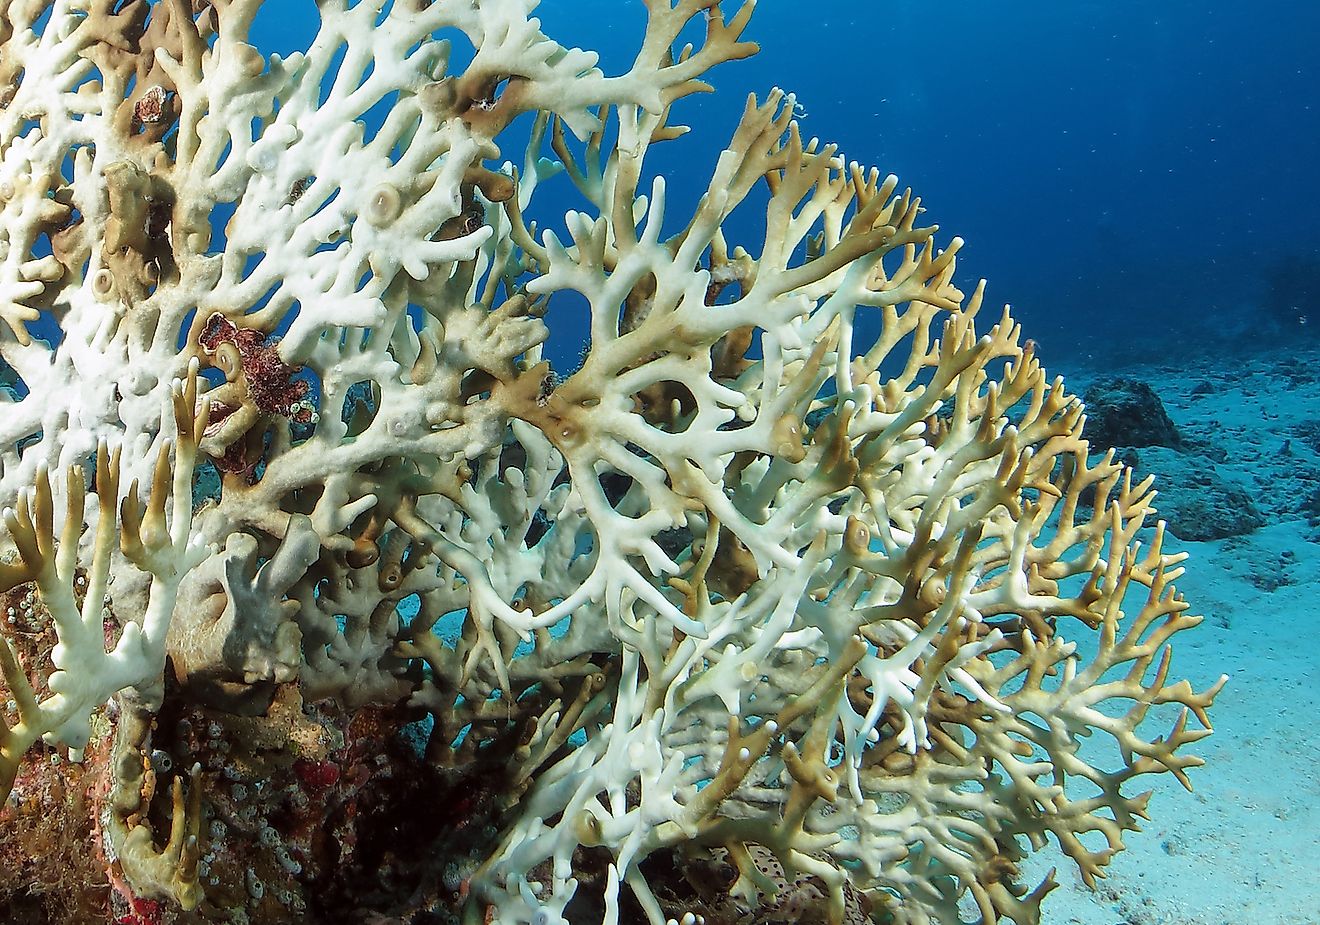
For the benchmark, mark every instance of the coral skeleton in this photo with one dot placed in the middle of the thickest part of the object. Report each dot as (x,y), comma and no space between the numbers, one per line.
(329,598)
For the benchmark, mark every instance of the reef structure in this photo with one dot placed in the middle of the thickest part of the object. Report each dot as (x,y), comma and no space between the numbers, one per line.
(329,599)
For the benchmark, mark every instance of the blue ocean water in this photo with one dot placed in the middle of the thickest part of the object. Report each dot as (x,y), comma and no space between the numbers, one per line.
(1132,177)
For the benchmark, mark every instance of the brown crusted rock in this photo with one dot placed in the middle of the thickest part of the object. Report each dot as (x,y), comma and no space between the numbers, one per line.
(1126,412)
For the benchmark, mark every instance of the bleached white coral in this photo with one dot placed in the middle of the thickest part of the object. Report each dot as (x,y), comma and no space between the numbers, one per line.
(748,589)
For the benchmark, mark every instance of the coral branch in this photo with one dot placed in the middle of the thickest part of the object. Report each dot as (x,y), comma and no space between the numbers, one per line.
(800,595)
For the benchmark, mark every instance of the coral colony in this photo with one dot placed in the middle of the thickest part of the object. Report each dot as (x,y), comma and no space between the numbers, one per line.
(328,599)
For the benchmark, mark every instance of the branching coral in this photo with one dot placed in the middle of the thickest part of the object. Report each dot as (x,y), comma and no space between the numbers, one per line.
(753,616)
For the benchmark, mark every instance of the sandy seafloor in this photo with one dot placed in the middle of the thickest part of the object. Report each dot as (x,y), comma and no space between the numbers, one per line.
(1244,847)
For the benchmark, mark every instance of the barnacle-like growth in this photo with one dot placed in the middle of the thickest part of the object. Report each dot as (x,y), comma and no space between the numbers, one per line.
(801,598)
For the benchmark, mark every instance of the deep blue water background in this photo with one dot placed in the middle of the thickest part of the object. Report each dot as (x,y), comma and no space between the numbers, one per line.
(1131,176)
